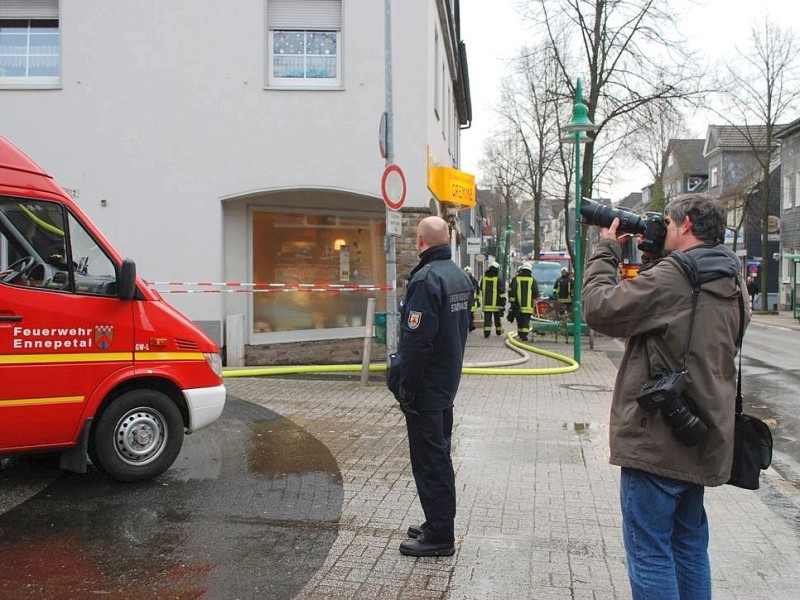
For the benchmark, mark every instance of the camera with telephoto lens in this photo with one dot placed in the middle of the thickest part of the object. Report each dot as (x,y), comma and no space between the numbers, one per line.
(651,226)
(665,394)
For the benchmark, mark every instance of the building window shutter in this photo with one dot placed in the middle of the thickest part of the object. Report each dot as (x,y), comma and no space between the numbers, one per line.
(304,14)
(29,9)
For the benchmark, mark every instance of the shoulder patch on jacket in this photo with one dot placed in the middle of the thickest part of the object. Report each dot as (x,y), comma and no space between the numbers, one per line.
(414,319)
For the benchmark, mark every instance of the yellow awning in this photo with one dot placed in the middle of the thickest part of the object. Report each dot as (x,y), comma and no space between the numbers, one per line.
(452,185)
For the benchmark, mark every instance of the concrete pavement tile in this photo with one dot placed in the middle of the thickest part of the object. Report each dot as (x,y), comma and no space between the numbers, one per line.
(538,513)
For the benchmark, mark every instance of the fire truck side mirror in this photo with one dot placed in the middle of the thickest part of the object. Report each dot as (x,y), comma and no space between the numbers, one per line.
(127,280)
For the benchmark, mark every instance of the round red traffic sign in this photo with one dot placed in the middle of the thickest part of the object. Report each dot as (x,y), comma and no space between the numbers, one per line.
(393,187)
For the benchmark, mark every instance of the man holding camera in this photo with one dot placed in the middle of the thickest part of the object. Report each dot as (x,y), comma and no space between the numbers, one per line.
(672,413)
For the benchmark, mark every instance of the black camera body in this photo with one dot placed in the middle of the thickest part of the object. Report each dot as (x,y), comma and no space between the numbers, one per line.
(651,226)
(665,393)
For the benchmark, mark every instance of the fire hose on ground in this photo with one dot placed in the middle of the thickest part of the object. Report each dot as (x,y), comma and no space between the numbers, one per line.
(489,368)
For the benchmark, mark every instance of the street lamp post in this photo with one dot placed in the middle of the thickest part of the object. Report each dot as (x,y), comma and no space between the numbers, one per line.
(578,127)
(509,234)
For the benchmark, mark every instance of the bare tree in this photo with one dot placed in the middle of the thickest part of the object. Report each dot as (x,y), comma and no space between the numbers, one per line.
(739,202)
(632,60)
(762,84)
(503,166)
(530,106)
(650,132)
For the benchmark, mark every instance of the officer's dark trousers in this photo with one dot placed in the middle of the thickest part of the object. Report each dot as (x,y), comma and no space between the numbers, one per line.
(429,436)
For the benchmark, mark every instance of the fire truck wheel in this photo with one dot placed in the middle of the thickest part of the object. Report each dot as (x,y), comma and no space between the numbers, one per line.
(137,436)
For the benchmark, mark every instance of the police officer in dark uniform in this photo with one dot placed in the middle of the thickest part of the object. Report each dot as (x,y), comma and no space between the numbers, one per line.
(424,375)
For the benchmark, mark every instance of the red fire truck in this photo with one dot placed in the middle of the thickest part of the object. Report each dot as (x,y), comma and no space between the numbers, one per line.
(93,363)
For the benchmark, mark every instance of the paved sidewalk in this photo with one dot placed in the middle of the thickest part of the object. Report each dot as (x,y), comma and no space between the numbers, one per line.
(783,319)
(538,514)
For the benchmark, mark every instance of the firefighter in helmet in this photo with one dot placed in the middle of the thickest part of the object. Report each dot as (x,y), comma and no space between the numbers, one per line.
(493,299)
(522,295)
(563,291)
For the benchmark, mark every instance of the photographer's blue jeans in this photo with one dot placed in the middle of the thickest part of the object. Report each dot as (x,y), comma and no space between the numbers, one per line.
(665,531)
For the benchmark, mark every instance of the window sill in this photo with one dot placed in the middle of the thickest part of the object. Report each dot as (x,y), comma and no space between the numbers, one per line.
(30,86)
(304,88)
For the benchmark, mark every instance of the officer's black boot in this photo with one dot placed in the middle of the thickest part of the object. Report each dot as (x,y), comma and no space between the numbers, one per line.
(419,546)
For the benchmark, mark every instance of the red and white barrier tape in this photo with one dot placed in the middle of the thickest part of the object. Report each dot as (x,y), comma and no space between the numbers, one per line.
(241,287)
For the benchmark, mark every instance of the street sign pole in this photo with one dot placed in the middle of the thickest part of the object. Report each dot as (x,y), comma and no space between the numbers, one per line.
(391,248)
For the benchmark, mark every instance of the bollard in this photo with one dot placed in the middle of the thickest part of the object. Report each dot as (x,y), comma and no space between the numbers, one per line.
(367,356)
(380,328)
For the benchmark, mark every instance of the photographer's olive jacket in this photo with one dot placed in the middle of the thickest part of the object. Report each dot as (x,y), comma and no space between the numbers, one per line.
(653,311)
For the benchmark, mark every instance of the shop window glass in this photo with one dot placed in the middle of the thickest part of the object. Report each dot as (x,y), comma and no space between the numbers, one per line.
(317,249)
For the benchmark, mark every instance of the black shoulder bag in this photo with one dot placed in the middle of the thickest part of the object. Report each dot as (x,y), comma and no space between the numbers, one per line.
(752,439)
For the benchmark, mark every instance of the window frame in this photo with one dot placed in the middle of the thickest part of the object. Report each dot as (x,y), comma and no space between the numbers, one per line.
(34,81)
(796,195)
(436,80)
(66,272)
(274,81)
(369,220)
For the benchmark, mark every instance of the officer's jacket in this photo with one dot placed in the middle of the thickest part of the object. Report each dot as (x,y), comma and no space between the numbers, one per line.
(493,291)
(522,293)
(434,318)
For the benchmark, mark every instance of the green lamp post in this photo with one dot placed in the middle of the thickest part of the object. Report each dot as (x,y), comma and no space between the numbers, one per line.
(578,127)
(507,250)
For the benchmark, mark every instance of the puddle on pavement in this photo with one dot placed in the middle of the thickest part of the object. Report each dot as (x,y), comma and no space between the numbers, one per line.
(250,509)
(284,448)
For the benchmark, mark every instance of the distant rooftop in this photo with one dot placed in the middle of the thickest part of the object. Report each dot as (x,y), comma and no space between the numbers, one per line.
(734,137)
(689,158)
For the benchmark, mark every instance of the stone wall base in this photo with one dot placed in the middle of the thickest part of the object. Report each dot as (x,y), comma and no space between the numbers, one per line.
(325,352)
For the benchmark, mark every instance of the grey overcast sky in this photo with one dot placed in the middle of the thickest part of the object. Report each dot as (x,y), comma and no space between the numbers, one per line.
(492,32)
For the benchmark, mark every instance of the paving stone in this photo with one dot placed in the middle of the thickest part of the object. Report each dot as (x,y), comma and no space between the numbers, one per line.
(537,506)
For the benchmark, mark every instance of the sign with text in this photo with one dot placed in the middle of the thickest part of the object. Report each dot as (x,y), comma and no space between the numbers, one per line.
(452,185)
(394,223)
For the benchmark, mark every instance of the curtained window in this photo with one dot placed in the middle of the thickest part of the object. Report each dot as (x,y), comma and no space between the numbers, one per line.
(304,43)
(30,43)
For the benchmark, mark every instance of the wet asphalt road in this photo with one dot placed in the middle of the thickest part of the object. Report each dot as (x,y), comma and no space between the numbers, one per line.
(771,380)
(250,509)
(252,505)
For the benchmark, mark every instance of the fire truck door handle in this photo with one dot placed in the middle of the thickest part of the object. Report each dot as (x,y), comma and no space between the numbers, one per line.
(10,318)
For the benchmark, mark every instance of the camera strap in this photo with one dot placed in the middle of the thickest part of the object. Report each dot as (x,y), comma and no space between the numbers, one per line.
(689,268)
(741,341)
(695,297)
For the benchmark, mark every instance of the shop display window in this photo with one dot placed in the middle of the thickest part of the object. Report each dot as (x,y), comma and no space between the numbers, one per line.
(321,250)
